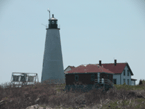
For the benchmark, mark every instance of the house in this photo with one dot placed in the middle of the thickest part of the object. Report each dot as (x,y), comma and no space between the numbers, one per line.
(89,75)
(122,72)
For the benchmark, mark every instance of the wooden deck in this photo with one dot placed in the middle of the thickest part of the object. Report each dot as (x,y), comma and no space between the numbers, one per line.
(106,84)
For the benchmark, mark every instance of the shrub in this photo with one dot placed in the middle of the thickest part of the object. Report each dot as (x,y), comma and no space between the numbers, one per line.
(44,93)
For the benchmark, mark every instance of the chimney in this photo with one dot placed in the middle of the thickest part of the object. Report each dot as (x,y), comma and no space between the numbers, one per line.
(100,62)
(115,62)
(52,15)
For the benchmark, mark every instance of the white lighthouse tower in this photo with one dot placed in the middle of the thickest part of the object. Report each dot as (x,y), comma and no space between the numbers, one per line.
(52,61)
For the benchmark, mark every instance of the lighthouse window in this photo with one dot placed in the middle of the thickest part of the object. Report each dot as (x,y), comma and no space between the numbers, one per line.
(52,22)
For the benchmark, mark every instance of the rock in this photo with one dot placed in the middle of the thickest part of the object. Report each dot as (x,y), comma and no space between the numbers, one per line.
(131,94)
(135,94)
(37,100)
(109,106)
(106,101)
(36,106)
(2,102)
(33,107)
(11,101)
(80,100)
(140,96)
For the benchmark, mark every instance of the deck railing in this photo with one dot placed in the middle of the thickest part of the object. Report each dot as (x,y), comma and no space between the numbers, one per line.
(106,81)
(110,82)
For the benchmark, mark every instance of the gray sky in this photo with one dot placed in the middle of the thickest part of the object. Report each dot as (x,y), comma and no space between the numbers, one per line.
(90,31)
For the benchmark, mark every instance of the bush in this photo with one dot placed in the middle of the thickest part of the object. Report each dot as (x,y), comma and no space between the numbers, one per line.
(53,95)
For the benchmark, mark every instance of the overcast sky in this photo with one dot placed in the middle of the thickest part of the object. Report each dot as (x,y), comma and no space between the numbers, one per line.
(90,31)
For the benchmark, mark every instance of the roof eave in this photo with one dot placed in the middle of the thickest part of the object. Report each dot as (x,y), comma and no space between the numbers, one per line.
(129,69)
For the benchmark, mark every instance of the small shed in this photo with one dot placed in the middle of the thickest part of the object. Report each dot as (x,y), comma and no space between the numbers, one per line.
(141,82)
(91,75)
(22,78)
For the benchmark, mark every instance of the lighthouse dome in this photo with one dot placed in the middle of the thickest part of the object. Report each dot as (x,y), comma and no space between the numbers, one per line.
(52,18)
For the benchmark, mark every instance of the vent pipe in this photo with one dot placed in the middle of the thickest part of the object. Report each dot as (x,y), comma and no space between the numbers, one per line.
(52,15)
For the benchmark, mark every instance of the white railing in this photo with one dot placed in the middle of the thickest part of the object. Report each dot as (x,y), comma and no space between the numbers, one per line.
(105,81)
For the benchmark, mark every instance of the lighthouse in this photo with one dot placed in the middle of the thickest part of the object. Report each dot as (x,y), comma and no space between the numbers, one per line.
(52,68)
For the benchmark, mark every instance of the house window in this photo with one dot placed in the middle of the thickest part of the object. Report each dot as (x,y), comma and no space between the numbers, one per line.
(133,83)
(114,81)
(128,72)
(92,77)
(124,80)
(124,72)
(108,76)
(128,81)
(76,77)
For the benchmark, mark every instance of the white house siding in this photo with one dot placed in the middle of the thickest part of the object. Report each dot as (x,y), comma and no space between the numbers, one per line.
(126,77)
(117,77)
(133,83)
(98,77)
(67,69)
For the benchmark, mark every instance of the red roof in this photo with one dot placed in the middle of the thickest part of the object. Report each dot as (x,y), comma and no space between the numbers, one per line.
(116,69)
(72,67)
(90,68)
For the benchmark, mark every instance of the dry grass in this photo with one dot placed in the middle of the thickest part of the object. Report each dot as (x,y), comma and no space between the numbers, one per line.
(124,96)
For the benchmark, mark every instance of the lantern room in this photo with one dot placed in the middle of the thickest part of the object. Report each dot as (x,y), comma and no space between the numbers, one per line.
(52,22)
